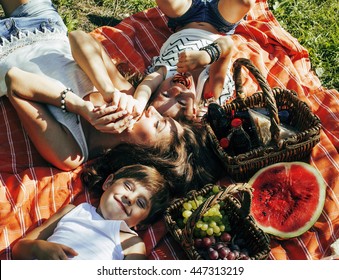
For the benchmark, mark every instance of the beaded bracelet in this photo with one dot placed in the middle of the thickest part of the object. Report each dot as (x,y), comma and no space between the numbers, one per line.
(213,51)
(63,99)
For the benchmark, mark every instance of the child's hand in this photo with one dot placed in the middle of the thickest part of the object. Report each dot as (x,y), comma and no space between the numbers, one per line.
(108,119)
(190,60)
(44,250)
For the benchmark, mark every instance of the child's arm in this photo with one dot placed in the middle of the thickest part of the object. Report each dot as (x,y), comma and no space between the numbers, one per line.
(190,60)
(133,246)
(35,246)
(148,86)
(219,69)
(99,67)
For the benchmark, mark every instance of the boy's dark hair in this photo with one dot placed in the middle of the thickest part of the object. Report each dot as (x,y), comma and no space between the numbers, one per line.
(148,176)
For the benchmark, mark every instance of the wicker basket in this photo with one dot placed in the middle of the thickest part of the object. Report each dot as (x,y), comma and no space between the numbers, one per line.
(236,198)
(298,147)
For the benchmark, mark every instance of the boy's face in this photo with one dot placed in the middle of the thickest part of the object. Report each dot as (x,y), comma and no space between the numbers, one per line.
(125,199)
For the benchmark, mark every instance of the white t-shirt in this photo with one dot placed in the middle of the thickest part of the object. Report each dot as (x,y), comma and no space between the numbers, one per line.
(94,238)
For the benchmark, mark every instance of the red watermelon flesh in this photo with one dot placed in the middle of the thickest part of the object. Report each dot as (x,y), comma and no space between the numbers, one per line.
(287,199)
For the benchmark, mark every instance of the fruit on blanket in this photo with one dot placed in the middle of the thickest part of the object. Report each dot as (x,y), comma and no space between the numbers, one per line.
(288,198)
(216,249)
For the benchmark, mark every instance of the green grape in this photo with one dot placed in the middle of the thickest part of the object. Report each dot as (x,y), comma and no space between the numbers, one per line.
(187,205)
(199,224)
(216,206)
(186,213)
(212,212)
(209,231)
(217,219)
(212,224)
(204,227)
(216,229)
(200,198)
(222,227)
(217,234)
(215,189)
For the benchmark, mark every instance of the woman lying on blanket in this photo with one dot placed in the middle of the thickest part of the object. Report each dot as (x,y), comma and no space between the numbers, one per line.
(193,64)
(131,196)
(77,124)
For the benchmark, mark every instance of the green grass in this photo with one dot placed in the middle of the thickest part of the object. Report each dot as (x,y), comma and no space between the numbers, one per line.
(313,22)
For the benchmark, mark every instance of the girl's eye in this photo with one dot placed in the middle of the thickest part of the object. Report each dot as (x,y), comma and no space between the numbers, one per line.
(161,124)
(182,102)
(165,94)
(141,203)
(128,186)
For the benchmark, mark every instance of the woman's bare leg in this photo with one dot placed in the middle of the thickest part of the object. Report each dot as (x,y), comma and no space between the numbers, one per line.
(10,5)
(96,63)
(234,10)
(174,8)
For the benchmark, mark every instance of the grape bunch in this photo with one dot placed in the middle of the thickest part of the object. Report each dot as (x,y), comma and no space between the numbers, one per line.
(214,221)
(223,248)
(211,232)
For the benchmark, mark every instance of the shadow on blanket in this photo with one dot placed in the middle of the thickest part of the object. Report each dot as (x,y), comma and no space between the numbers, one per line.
(31,191)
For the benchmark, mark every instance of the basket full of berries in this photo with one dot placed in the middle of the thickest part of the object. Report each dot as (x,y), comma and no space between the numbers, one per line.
(214,223)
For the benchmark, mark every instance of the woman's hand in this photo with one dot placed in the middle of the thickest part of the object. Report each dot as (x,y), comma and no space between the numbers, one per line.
(108,118)
(44,250)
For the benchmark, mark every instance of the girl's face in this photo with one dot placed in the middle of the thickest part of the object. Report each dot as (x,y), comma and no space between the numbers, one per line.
(124,199)
(176,97)
(153,128)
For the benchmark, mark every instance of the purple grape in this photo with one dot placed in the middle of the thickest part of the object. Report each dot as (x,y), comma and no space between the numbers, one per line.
(206,242)
(213,254)
(225,237)
(231,256)
(236,253)
(219,245)
(223,252)
(212,239)
(198,243)
(243,256)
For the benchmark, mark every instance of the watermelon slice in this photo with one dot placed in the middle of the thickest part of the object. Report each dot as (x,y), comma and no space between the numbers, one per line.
(288,198)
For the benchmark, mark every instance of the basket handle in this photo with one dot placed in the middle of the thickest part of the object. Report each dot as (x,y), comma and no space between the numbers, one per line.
(244,190)
(269,97)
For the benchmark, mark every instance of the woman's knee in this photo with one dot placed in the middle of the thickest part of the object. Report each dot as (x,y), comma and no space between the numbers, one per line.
(248,3)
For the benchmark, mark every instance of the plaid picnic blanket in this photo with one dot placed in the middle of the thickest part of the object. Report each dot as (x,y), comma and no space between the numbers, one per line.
(31,190)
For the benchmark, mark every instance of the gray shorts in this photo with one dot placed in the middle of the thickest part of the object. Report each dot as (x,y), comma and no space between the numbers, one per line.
(204,11)
(35,15)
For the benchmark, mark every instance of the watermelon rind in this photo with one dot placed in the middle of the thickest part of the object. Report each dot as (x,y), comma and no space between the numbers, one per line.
(316,213)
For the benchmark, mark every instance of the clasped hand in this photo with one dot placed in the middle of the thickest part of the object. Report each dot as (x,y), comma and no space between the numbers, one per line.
(120,113)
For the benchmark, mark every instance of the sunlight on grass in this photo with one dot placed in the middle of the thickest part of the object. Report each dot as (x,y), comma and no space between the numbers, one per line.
(315,24)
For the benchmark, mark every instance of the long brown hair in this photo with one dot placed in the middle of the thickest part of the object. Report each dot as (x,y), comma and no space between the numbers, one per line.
(187,163)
